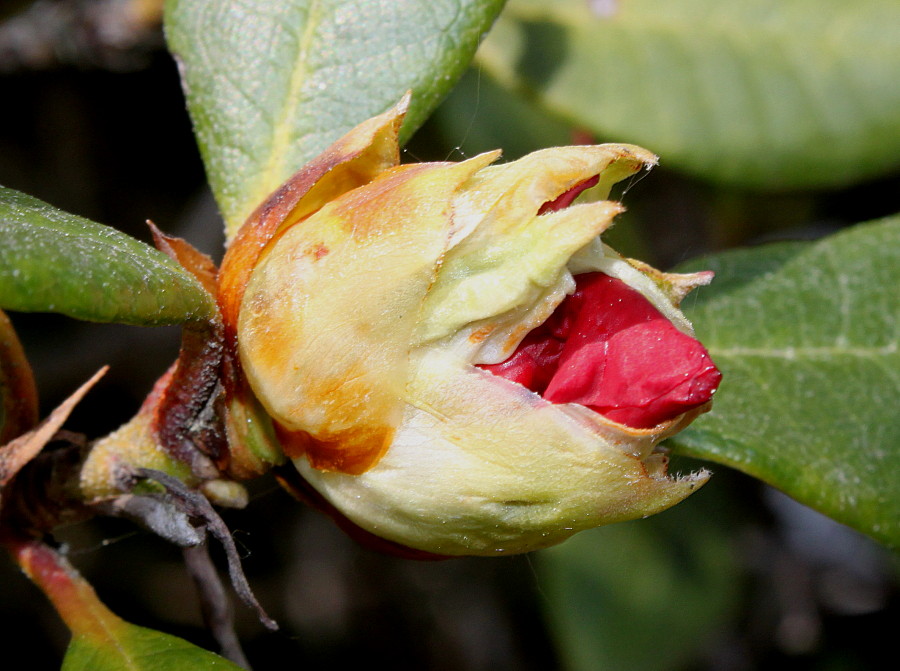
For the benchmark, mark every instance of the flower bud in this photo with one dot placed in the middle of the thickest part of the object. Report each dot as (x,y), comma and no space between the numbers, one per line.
(450,355)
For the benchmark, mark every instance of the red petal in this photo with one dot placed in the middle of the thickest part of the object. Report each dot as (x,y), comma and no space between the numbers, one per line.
(566,198)
(533,363)
(608,348)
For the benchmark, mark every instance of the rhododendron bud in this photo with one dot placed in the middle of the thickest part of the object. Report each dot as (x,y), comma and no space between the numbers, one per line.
(451,357)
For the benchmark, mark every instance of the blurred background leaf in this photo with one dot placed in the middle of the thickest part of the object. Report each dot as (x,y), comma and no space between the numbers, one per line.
(53,261)
(806,335)
(271,85)
(774,94)
(479,115)
(644,595)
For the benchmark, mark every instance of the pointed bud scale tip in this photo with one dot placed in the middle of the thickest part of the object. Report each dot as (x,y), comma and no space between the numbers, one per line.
(452,359)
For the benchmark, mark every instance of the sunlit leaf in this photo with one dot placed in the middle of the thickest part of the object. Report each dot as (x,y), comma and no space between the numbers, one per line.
(53,261)
(762,93)
(807,338)
(271,84)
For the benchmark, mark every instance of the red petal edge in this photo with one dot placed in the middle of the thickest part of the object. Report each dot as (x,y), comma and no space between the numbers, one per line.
(564,200)
(606,347)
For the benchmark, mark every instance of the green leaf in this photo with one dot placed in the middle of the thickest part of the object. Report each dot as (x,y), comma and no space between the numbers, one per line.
(761,93)
(134,648)
(647,594)
(272,84)
(101,640)
(53,261)
(806,336)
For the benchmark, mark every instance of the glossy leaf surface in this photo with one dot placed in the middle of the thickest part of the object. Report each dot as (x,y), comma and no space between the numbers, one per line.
(272,84)
(762,93)
(806,336)
(53,261)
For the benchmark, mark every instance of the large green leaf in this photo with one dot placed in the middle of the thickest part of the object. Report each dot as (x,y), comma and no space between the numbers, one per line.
(646,594)
(761,93)
(807,336)
(133,648)
(271,84)
(53,261)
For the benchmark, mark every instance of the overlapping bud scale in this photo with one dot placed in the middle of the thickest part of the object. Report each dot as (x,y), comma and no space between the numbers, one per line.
(432,344)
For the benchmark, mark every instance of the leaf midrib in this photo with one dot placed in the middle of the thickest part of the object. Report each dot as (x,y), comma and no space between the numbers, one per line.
(271,174)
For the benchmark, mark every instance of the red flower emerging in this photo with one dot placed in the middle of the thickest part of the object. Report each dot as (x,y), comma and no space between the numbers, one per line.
(370,385)
(607,348)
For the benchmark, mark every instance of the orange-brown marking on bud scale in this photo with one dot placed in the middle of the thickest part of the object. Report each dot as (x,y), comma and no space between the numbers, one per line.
(479,335)
(387,203)
(352,161)
(353,451)
(260,229)
(343,387)
(318,250)
(515,337)
(348,417)
(357,428)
